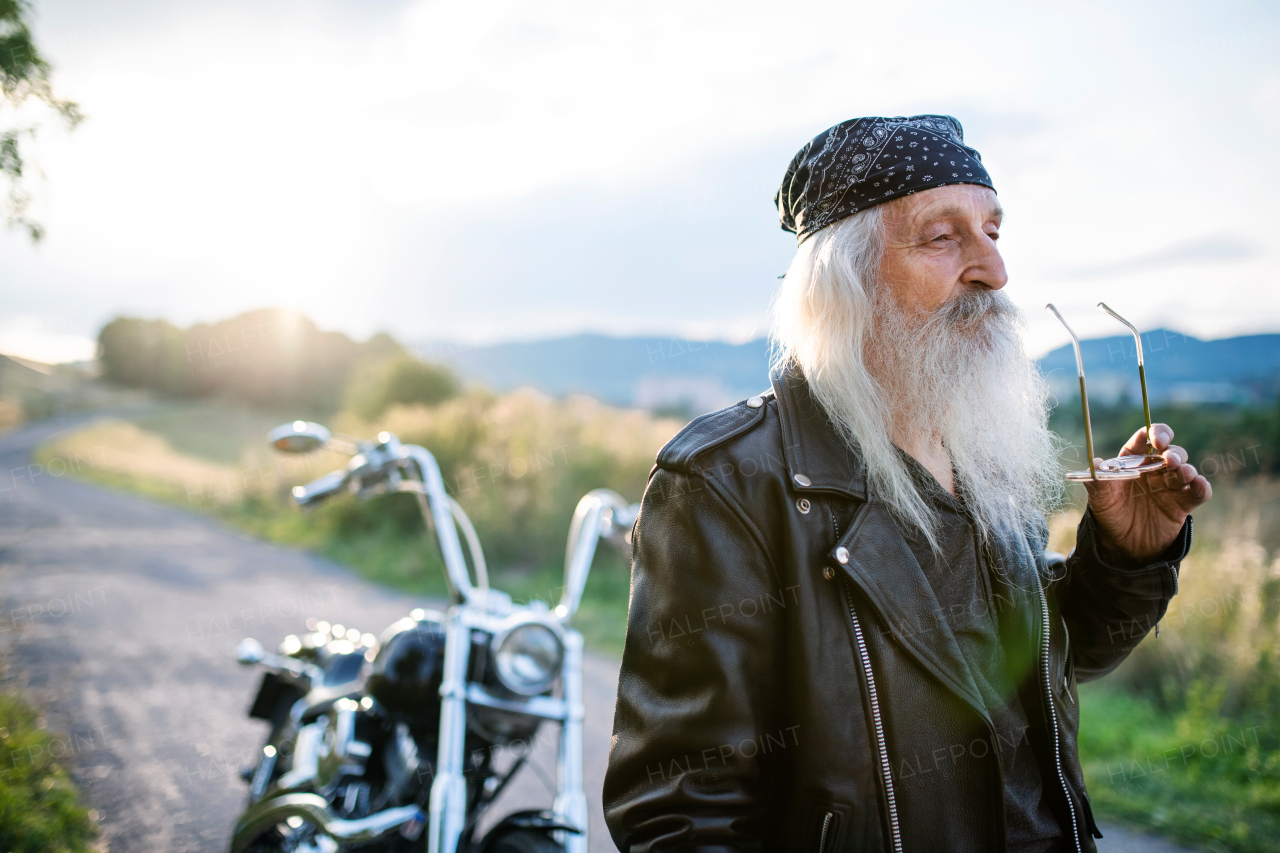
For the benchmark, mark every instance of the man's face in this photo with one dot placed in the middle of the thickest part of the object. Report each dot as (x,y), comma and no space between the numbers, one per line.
(940,242)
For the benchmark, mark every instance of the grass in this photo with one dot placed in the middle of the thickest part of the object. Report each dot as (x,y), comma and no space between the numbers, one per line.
(217,432)
(40,809)
(1196,777)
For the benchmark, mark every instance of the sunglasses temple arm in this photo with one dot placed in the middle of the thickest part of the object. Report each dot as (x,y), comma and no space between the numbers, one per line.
(1084,393)
(1142,373)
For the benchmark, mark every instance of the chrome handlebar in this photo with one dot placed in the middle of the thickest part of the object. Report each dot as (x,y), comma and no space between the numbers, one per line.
(379,468)
(601,514)
(317,490)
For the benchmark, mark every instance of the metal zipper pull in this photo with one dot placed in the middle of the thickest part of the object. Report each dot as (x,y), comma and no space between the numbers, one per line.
(826,827)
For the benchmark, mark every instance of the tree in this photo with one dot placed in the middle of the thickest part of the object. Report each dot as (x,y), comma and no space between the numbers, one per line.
(399,380)
(412,382)
(24,83)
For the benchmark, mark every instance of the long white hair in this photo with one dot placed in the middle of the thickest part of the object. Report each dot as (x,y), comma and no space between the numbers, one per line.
(959,373)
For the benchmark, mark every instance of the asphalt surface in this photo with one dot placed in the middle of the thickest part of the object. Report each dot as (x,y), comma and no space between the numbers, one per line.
(119,618)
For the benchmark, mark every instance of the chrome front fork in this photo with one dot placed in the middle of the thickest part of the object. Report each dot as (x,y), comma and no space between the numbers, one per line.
(571,803)
(448,809)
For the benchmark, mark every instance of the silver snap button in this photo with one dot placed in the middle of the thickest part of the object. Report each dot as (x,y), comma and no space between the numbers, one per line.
(842,555)
(828,572)
(803,505)
(802,480)
(755,402)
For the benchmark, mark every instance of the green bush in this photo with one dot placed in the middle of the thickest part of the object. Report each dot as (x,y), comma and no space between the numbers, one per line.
(401,381)
(519,463)
(1221,438)
(40,810)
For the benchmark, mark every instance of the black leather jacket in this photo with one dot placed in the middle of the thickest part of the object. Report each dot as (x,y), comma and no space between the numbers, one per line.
(786,683)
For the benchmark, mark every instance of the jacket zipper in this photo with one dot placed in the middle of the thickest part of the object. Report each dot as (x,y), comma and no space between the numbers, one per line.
(1053,717)
(885,772)
(826,827)
(1066,660)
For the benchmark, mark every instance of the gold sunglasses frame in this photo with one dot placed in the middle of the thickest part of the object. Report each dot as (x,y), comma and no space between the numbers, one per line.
(1128,467)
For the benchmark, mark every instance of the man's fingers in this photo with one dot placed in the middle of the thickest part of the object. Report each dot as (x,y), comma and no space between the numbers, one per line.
(1104,490)
(1193,494)
(1136,445)
(1161,434)
(1175,456)
(1200,491)
(1176,476)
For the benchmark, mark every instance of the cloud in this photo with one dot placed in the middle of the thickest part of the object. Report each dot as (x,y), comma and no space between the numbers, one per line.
(1215,249)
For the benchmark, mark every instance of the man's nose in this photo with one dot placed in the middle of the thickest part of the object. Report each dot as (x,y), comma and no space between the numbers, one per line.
(985,268)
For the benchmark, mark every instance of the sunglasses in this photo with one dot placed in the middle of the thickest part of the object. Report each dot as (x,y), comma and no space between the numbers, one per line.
(1128,467)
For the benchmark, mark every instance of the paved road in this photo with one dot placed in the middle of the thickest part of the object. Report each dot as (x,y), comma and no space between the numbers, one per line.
(119,617)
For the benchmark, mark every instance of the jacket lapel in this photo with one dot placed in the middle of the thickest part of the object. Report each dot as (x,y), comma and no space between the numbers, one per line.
(879,561)
(876,557)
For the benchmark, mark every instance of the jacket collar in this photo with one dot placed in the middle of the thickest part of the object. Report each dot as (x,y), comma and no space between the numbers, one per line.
(817,457)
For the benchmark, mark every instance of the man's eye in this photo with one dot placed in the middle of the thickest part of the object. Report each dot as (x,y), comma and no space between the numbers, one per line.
(994,235)
(939,238)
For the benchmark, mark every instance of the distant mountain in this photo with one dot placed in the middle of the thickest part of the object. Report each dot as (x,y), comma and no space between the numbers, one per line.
(652,373)
(1180,368)
(699,376)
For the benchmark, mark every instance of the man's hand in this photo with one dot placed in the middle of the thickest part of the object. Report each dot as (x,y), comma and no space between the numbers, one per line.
(1140,518)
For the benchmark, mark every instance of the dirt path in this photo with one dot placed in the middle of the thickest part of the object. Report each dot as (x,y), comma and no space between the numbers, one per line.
(120,617)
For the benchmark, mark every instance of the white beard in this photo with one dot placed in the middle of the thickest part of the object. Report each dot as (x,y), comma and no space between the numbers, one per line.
(958,373)
(961,373)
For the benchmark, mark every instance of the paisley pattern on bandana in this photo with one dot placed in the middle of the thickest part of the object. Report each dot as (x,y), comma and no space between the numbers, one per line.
(863,162)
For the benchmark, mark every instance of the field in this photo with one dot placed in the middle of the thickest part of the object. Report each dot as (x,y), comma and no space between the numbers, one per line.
(1183,739)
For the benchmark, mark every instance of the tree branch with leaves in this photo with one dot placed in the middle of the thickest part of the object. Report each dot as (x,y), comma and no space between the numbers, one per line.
(24,84)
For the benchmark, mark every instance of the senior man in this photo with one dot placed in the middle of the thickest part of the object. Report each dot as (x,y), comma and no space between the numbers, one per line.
(844,632)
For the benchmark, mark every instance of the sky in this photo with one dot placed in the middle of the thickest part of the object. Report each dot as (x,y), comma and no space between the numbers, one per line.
(493,171)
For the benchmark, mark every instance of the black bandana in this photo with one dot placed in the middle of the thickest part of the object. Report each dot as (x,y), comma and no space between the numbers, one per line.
(863,162)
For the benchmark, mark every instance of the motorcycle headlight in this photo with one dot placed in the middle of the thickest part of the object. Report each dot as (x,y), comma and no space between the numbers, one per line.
(527,656)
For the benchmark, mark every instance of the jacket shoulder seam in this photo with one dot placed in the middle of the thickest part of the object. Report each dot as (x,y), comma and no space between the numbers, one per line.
(740,515)
(707,432)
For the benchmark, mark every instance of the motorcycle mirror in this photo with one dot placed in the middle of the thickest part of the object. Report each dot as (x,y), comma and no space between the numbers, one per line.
(250,651)
(299,437)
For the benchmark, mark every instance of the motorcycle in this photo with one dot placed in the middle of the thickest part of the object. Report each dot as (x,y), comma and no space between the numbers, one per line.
(389,744)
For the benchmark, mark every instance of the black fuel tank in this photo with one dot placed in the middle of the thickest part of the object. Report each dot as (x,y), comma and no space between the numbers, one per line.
(407,670)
